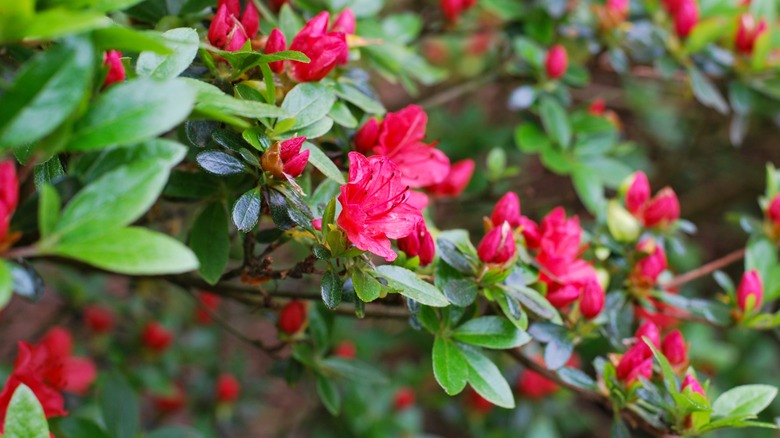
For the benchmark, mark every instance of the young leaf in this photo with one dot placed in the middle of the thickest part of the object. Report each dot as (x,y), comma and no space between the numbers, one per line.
(449,366)
(486,379)
(491,332)
(744,400)
(366,287)
(210,241)
(308,103)
(24,417)
(184,44)
(329,394)
(408,284)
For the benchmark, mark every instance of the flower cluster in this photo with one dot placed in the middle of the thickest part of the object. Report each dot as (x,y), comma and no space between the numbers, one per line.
(227,31)
(48,368)
(661,210)
(638,360)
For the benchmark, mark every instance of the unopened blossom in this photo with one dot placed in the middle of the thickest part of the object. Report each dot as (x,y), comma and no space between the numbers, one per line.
(592,299)
(662,209)
(533,385)
(344,22)
(345,350)
(557,62)
(773,211)
(651,264)
(498,245)
(675,349)
(99,319)
(638,193)
(618,8)
(419,243)
(686,17)
(9,195)
(293,317)
(276,43)
(170,401)
(453,9)
(507,209)
(636,362)
(750,292)
(227,389)
(648,330)
(112,60)
(690,382)
(561,296)
(285,159)
(324,49)
(374,205)
(156,337)
(748,31)
(597,107)
(227,31)
(404,398)
(367,137)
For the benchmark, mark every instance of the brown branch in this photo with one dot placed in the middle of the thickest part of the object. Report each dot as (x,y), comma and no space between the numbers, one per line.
(706,269)
(632,418)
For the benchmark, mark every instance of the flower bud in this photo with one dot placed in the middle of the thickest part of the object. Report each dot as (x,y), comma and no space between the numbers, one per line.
(293,318)
(285,158)
(156,337)
(250,19)
(773,212)
(672,6)
(507,209)
(452,9)
(663,209)
(690,382)
(233,6)
(419,243)
(276,43)
(325,50)
(9,185)
(228,388)
(170,402)
(220,27)
(750,293)
(236,38)
(344,22)
(59,341)
(367,136)
(209,301)
(531,233)
(456,181)
(674,348)
(593,298)
(116,70)
(557,61)
(404,398)
(98,319)
(498,245)
(477,403)
(686,17)
(562,296)
(535,386)
(748,32)
(621,224)
(597,107)
(634,363)
(650,331)
(638,193)
(345,350)
(618,8)
(651,265)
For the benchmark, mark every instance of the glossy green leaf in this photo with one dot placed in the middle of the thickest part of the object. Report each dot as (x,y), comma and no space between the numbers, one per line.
(353,95)
(132,251)
(132,112)
(408,284)
(184,44)
(744,400)
(556,121)
(246,211)
(352,369)
(323,163)
(366,286)
(486,379)
(127,39)
(210,241)
(529,138)
(329,394)
(449,366)
(45,92)
(24,417)
(220,163)
(308,103)
(331,289)
(341,114)
(491,332)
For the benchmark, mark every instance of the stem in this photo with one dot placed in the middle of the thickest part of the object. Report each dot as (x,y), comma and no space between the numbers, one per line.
(706,269)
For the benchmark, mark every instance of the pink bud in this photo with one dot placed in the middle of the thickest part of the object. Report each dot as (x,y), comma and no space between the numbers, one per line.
(651,265)
(638,193)
(456,181)
(663,209)
(236,38)
(498,245)
(650,331)
(366,137)
(9,185)
(672,6)
(562,296)
(116,70)
(452,9)
(632,361)
(344,22)
(317,224)
(686,17)
(747,33)
(690,382)
(593,298)
(618,7)
(294,160)
(597,107)
(324,50)
(507,209)
(419,243)
(531,233)
(750,286)
(232,6)
(276,43)
(773,212)
(5,221)
(557,61)
(250,20)
(674,348)
(220,27)
(317,26)
(644,369)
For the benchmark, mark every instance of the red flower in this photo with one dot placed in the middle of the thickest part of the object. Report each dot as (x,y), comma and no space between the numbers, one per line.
(593,298)
(346,350)
(535,386)
(293,317)
(116,70)
(250,19)
(456,180)
(686,17)
(227,389)
(171,401)
(635,363)
(229,33)
(99,319)
(404,398)
(638,193)
(531,233)
(367,136)
(750,293)
(561,296)
(618,8)
(324,49)
(156,337)
(276,43)
(452,9)
(773,212)
(209,301)
(419,243)
(674,348)
(374,207)
(597,107)
(663,209)
(748,32)
(557,61)
(498,245)
(507,209)
(650,331)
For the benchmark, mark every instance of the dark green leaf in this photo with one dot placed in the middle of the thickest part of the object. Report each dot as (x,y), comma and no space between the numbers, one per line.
(491,332)
(557,352)
(75,427)
(706,92)
(210,241)
(119,405)
(352,369)
(329,394)
(331,289)
(449,366)
(220,163)
(127,39)
(246,212)
(460,292)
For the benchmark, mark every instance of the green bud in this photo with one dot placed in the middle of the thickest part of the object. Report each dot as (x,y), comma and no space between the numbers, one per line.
(622,225)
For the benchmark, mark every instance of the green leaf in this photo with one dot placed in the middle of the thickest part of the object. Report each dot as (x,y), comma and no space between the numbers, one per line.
(127,39)
(246,212)
(352,369)
(408,284)
(210,241)
(329,394)
(670,381)
(75,427)
(132,251)
(308,103)
(323,163)
(45,92)
(56,22)
(24,417)
(48,210)
(115,199)
(220,163)
(449,366)
(119,405)
(460,292)
(589,188)
(353,95)
(366,286)
(6,284)
(491,332)
(331,289)
(131,112)
(534,302)
(704,33)
(486,378)
(215,104)
(160,150)
(706,92)
(173,432)
(184,44)
(341,114)
(744,400)
(529,138)
(556,121)
(48,171)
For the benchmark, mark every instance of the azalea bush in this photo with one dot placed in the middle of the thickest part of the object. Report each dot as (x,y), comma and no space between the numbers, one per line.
(258,218)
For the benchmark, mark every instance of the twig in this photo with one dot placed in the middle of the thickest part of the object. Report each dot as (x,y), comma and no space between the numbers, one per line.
(456,91)
(706,269)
